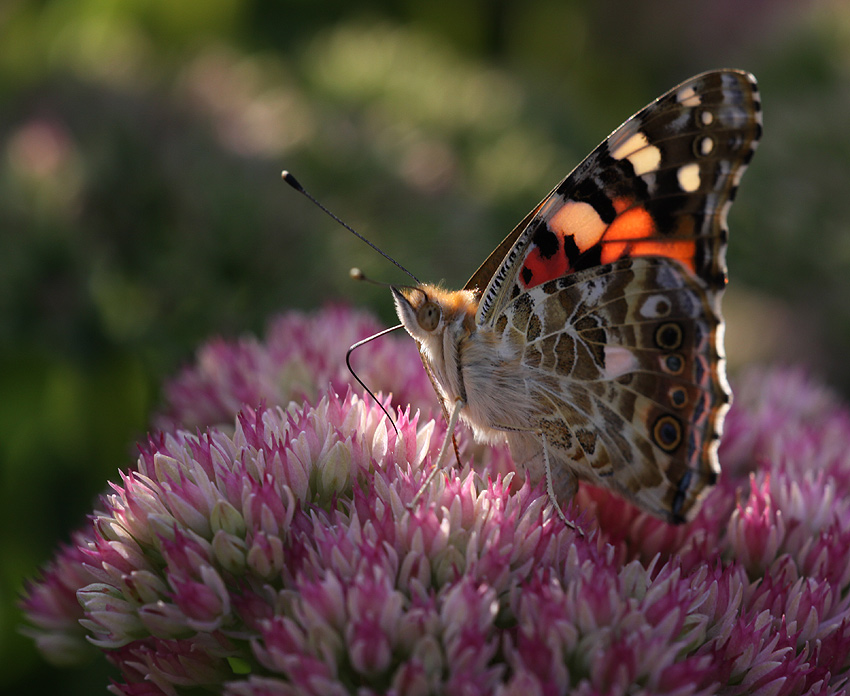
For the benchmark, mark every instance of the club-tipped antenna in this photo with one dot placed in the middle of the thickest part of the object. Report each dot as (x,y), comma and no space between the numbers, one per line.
(357,274)
(294,183)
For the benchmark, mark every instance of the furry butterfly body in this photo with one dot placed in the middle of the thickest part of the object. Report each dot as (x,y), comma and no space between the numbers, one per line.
(591,338)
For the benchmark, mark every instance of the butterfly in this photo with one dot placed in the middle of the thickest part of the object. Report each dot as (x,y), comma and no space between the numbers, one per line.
(591,339)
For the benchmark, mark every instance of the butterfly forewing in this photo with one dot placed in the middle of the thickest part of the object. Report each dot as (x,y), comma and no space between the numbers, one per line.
(659,185)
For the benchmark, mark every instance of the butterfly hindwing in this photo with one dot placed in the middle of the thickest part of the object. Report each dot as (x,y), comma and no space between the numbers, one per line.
(624,358)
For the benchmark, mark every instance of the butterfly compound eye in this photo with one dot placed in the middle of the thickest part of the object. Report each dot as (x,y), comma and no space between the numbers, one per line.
(428,316)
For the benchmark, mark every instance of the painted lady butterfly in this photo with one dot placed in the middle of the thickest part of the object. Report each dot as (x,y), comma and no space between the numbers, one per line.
(591,338)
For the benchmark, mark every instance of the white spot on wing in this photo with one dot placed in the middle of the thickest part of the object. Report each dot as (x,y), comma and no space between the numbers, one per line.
(630,145)
(637,150)
(688,97)
(655,306)
(688,176)
(580,220)
(646,160)
(619,361)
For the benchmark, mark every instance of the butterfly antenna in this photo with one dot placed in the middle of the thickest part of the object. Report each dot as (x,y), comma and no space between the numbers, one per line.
(360,381)
(294,183)
(357,274)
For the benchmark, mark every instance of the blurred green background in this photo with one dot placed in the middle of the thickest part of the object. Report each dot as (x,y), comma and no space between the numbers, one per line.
(141,210)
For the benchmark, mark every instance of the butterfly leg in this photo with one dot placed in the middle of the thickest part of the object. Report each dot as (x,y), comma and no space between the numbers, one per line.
(438,464)
(530,452)
(566,486)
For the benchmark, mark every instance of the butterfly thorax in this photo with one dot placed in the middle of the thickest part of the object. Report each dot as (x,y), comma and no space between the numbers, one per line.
(466,361)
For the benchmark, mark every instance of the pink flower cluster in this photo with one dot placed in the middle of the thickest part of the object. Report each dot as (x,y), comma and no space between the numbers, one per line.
(277,555)
(301,357)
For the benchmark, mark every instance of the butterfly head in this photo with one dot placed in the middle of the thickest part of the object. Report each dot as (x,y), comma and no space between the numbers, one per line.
(428,313)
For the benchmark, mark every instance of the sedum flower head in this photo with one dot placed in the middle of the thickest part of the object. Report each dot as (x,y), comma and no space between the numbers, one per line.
(301,357)
(276,554)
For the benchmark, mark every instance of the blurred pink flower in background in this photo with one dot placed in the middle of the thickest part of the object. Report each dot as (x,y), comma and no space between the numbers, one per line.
(273,553)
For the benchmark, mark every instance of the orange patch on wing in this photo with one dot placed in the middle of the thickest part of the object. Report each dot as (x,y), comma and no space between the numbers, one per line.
(682,250)
(634,223)
(633,233)
(629,227)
